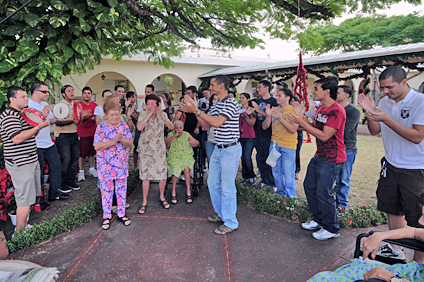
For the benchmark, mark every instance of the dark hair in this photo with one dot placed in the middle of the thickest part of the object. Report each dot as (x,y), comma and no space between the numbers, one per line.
(11,92)
(288,93)
(295,98)
(119,85)
(247,95)
(331,83)
(347,89)
(151,86)
(168,98)
(222,79)
(266,83)
(87,88)
(396,73)
(36,86)
(211,100)
(64,88)
(192,88)
(152,97)
(282,83)
(130,94)
(104,91)
(234,93)
(182,97)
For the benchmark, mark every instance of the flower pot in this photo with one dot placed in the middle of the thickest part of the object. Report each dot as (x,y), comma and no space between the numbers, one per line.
(13,218)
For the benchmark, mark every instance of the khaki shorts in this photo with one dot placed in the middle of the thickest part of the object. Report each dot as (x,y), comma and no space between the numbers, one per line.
(27,182)
(401,192)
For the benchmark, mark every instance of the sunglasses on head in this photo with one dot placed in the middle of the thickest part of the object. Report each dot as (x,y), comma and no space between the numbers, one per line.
(44,91)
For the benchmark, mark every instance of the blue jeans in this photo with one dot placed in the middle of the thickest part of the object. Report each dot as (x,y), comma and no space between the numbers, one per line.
(50,156)
(247,145)
(283,171)
(68,146)
(343,180)
(209,147)
(318,184)
(262,151)
(221,182)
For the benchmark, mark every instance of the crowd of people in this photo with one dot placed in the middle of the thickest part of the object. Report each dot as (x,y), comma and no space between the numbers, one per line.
(226,127)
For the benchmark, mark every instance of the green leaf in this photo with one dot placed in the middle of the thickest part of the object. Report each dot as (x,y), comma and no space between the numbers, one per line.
(59,5)
(104,16)
(93,4)
(26,70)
(28,47)
(7,65)
(21,56)
(68,52)
(84,25)
(32,19)
(112,3)
(42,74)
(50,33)
(57,22)
(56,70)
(12,30)
(80,46)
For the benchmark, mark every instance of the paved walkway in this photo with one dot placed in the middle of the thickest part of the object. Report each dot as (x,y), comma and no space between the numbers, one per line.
(179,245)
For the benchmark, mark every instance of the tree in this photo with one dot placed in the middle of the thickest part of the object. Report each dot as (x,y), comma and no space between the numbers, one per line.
(362,33)
(52,38)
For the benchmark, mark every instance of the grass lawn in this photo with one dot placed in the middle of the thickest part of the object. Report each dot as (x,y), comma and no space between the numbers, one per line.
(365,173)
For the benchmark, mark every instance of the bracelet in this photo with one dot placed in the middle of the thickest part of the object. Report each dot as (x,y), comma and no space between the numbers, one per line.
(37,128)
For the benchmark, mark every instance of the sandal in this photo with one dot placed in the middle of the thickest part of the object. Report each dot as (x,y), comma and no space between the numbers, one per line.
(106,225)
(115,208)
(125,220)
(174,200)
(165,204)
(189,199)
(142,209)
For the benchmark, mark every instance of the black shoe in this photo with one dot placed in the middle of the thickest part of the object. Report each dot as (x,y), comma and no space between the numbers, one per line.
(74,187)
(44,206)
(65,190)
(61,197)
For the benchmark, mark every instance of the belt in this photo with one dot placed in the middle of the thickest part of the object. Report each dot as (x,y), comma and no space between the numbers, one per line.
(227,145)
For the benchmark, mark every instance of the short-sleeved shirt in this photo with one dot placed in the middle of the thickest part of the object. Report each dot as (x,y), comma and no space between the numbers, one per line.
(88,127)
(43,139)
(260,132)
(351,127)
(229,131)
(400,152)
(112,163)
(11,124)
(334,116)
(70,128)
(280,134)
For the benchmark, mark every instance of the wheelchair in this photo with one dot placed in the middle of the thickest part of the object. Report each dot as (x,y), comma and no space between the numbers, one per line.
(197,170)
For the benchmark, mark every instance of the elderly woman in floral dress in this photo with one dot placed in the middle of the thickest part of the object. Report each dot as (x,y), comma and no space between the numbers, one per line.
(152,149)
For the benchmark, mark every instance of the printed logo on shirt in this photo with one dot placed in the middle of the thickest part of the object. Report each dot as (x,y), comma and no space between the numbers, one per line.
(322,118)
(262,107)
(404,113)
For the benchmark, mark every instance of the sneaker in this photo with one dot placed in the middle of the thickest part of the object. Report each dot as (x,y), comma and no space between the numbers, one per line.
(61,197)
(323,234)
(223,229)
(214,218)
(81,176)
(64,190)
(311,225)
(74,187)
(388,251)
(260,185)
(92,172)
(271,189)
(244,180)
(252,180)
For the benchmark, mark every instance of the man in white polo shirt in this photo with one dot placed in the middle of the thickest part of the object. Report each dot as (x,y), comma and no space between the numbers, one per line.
(46,149)
(399,118)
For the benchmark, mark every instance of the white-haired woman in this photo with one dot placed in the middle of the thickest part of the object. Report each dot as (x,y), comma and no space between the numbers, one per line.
(180,158)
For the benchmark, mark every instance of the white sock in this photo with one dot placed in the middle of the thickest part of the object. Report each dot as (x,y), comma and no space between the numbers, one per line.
(91,169)
(81,171)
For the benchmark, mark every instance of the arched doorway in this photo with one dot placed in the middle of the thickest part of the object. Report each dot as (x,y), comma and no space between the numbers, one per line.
(170,83)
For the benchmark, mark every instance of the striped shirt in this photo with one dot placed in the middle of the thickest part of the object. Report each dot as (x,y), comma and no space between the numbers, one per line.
(11,124)
(228,132)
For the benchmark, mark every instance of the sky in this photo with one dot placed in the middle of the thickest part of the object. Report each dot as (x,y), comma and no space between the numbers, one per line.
(273,46)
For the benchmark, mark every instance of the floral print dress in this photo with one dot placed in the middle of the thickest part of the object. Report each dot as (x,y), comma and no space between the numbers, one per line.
(152,149)
(180,154)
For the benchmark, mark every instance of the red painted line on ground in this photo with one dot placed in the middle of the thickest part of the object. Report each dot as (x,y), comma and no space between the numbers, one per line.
(228,259)
(70,272)
(168,217)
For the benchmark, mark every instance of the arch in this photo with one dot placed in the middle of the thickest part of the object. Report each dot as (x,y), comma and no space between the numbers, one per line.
(108,80)
(170,83)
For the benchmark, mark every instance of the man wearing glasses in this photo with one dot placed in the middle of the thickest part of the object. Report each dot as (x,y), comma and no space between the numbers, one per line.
(46,149)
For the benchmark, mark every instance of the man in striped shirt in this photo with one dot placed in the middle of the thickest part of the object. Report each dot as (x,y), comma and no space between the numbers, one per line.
(20,153)
(226,155)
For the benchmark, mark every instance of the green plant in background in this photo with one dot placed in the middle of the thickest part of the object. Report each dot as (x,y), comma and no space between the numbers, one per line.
(298,210)
(169,80)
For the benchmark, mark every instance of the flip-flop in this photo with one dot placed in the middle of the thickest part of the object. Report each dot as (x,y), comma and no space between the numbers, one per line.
(164,203)
(174,200)
(124,220)
(142,209)
(106,223)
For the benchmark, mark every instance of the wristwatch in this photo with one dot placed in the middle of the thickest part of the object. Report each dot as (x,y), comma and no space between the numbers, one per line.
(198,113)
(396,278)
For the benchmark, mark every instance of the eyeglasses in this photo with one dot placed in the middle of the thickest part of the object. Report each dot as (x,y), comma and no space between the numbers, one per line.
(44,91)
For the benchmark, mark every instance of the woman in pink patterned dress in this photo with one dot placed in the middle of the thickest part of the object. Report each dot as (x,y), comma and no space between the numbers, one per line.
(112,142)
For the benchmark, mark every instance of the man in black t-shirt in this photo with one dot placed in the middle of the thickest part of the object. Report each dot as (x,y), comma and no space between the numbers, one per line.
(263,137)
(190,122)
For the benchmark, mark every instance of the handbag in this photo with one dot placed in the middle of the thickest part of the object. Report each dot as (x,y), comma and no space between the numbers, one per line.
(273,156)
